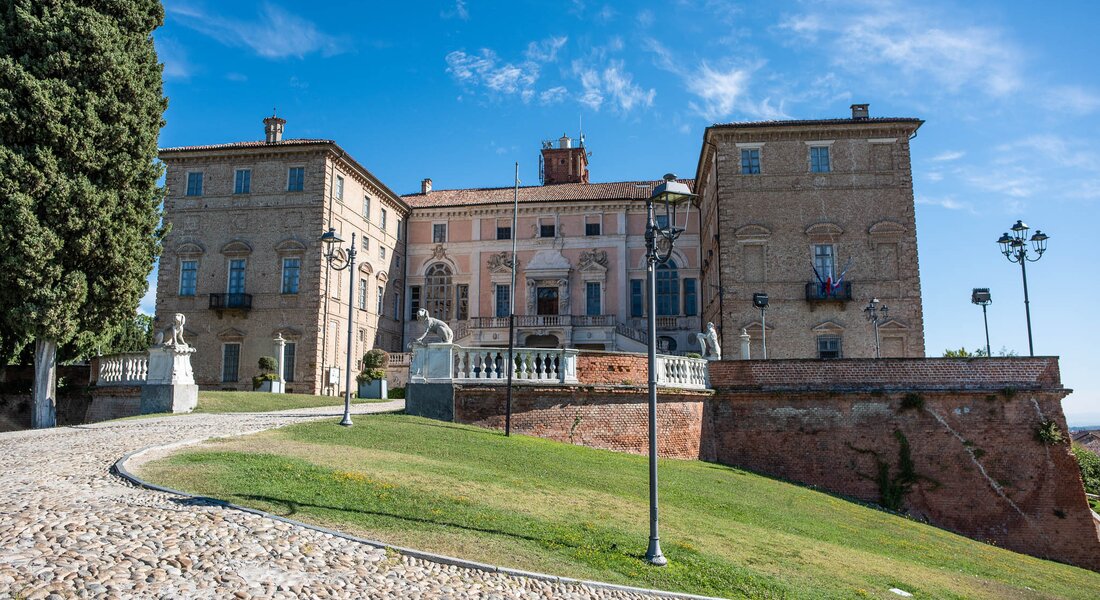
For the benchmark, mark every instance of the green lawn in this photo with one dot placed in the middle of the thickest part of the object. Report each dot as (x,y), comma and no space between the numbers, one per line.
(238,402)
(539,505)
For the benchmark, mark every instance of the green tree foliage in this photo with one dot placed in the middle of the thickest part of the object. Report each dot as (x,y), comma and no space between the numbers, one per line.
(81,104)
(1090,468)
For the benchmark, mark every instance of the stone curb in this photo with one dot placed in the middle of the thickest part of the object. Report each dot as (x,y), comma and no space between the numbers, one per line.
(119,468)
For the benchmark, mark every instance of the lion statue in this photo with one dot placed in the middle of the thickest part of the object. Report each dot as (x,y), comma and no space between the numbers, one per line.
(435,326)
(173,333)
(708,343)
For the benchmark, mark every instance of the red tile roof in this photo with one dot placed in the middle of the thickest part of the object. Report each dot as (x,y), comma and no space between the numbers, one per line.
(561,192)
(256,144)
(805,122)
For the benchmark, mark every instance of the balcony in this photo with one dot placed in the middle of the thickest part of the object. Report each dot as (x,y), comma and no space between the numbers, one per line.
(544,321)
(234,302)
(668,323)
(815,292)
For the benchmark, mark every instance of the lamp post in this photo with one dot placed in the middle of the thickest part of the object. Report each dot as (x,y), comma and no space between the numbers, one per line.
(876,315)
(760,300)
(981,297)
(329,241)
(659,241)
(1014,247)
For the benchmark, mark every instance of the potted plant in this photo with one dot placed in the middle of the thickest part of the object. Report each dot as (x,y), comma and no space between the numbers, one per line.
(372,379)
(268,379)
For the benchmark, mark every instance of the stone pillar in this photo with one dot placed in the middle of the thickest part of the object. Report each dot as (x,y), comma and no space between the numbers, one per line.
(170,385)
(744,345)
(279,385)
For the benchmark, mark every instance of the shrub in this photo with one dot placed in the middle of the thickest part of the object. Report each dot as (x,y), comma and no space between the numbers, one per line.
(1049,433)
(374,366)
(1089,463)
(267,363)
(396,393)
(259,380)
(692,355)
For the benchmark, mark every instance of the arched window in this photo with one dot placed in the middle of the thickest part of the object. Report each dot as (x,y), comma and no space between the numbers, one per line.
(668,289)
(437,291)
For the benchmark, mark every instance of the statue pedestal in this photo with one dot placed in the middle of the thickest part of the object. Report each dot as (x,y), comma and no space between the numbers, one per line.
(431,363)
(170,385)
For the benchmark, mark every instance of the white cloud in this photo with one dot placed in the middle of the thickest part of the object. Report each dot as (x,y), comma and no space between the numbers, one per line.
(724,92)
(918,43)
(1072,99)
(948,155)
(273,33)
(458,12)
(174,56)
(554,95)
(934,176)
(611,82)
(948,202)
(486,70)
(645,17)
(545,51)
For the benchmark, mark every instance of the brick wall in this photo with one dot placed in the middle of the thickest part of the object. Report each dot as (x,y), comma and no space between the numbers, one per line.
(114,402)
(969,427)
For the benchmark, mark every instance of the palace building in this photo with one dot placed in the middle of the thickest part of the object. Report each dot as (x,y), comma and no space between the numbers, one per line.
(817,214)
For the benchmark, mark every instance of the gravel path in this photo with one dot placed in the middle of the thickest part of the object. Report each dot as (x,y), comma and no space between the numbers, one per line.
(69,528)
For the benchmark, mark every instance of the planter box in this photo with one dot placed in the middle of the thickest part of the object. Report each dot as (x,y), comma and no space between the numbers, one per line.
(375,389)
(277,387)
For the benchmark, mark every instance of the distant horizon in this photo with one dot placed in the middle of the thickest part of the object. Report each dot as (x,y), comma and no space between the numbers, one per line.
(459,95)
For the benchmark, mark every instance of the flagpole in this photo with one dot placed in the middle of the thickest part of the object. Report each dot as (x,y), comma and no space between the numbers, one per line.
(512,309)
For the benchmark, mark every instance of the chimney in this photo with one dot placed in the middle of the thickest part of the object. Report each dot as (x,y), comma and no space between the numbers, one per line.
(273,129)
(565,142)
(860,112)
(425,186)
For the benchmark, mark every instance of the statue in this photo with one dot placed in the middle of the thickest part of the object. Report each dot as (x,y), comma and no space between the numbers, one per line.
(708,343)
(174,333)
(433,326)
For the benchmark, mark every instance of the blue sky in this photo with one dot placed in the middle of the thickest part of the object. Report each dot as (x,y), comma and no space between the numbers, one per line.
(459,91)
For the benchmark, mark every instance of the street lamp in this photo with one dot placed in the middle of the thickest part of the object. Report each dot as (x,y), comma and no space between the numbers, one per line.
(760,300)
(876,315)
(981,297)
(330,241)
(1014,247)
(667,197)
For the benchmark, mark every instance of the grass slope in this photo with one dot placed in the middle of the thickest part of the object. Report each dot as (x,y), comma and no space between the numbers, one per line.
(540,505)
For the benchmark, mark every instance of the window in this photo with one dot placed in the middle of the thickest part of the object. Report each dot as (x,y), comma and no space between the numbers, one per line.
(462,296)
(296,179)
(362,294)
(438,294)
(691,297)
(414,300)
(231,362)
(397,306)
(189,274)
(236,276)
(546,301)
(592,298)
(242,181)
(636,304)
(546,229)
(381,298)
(382,223)
(750,161)
(366,207)
(397,230)
(366,243)
(439,233)
(824,261)
(339,187)
(504,233)
(819,159)
(828,346)
(504,300)
(290,351)
(381,252)
(592,228)
(666,344)
(668,289)
(291,271)
(194,184)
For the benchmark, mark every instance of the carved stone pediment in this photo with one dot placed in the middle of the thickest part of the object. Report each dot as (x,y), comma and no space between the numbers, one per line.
(501,262)
(593,260)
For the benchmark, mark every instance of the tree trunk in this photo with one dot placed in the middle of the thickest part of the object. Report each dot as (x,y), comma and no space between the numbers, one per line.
(45,384)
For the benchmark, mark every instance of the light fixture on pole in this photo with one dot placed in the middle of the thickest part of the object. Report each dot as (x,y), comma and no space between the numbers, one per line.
(659,240)
(1014,247)
(330,242)
(876,315)
(760,300)
(981,297)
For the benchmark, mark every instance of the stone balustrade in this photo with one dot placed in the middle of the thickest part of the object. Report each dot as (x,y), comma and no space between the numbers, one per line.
(682,372)
(122,369)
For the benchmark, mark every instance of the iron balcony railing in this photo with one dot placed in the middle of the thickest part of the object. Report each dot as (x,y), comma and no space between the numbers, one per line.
(818,292)
(231,301)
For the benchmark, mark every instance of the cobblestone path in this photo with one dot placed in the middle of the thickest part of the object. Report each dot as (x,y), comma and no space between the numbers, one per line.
(69,528)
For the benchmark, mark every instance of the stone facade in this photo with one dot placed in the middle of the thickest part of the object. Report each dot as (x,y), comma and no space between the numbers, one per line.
(242,259)
(789,205)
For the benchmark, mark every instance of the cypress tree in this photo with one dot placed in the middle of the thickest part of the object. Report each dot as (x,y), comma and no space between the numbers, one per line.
(81,104)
